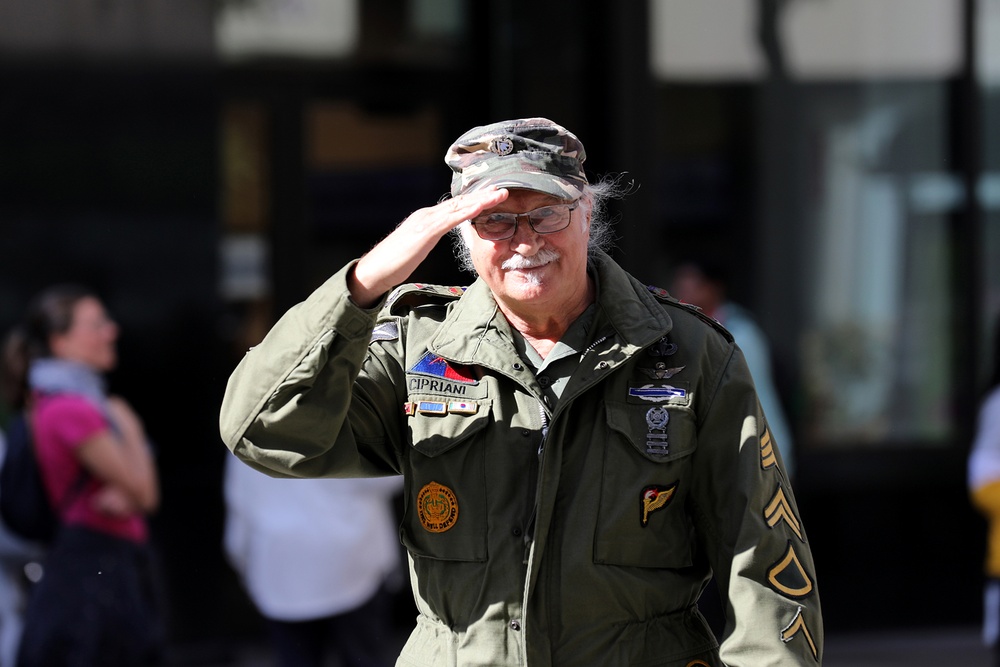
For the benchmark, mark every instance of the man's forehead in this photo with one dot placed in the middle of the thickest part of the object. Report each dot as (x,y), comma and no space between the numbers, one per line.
(520,200)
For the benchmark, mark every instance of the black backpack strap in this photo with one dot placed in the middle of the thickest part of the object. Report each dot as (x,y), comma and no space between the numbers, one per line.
(75,489)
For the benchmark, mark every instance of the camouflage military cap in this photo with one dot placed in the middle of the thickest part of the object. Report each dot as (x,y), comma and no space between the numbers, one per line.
(530,153)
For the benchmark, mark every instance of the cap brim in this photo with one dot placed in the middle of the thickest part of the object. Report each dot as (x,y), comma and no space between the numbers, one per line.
(543,183)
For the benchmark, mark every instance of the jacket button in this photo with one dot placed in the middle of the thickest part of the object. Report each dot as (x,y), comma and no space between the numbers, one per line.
(515,625)
(544,380)
(517,532)
(518,367)
(603,365)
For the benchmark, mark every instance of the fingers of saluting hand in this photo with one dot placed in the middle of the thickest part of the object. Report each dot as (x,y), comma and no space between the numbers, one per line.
(396,256)
(439,219)
(469,205)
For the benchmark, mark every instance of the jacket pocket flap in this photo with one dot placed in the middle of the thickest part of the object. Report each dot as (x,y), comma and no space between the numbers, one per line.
(659,433)
(437,425)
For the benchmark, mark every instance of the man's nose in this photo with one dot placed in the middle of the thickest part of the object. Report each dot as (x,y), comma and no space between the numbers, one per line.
(526,241)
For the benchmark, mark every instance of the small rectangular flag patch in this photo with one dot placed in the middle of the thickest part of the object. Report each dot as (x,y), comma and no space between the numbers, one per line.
(432,408)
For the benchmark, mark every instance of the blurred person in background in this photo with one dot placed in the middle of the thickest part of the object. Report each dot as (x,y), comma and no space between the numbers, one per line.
(317,557)
(94,605)
(704,283)
(580,451)
(984,487)
(15,555)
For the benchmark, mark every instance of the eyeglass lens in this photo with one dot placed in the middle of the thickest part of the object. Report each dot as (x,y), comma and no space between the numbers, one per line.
(545,220)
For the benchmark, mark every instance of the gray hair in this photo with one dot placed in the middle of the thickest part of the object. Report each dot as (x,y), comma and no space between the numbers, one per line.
(595,200)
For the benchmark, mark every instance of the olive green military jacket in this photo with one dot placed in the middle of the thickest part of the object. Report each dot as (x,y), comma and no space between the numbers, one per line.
(578,534)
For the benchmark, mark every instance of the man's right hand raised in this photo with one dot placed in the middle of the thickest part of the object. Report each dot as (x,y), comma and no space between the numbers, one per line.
(396,257)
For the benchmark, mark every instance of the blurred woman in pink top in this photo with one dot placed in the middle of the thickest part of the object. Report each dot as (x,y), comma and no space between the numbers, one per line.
(93,605)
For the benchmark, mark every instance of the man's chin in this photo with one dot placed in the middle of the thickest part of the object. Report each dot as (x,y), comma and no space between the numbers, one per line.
(534,277)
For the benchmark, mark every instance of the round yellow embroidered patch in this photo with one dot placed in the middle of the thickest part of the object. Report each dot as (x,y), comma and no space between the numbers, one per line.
(437,507)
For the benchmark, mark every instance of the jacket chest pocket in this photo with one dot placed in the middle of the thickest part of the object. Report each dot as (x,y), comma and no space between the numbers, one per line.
(444,516)
(642,519)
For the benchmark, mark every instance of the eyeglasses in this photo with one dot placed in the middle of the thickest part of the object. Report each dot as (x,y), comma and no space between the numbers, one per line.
(544,220)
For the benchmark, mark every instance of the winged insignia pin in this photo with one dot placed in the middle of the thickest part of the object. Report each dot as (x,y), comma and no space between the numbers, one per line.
(661,372)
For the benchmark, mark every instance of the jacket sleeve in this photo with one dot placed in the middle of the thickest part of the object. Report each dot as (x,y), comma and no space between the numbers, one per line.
(748,520)
(301,405)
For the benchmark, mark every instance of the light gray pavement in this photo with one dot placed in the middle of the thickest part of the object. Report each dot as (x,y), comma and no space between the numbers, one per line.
(948,647)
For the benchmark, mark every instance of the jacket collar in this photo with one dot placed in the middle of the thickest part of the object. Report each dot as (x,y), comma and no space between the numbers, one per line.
(472,333)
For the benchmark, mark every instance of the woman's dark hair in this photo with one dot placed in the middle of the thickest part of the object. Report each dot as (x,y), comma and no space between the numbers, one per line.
(49,313)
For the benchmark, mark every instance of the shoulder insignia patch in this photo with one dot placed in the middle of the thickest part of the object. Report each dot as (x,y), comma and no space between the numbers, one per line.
(386,331)
(796,627)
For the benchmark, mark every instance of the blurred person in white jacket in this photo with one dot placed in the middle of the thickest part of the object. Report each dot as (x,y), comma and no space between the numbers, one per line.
(984,490)
(314,556)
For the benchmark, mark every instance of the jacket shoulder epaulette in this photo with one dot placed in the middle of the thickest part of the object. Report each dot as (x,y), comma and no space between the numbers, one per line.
(413,295)
(663,296)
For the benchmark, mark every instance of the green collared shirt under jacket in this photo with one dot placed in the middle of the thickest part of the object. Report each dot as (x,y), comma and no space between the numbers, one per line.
(575,528)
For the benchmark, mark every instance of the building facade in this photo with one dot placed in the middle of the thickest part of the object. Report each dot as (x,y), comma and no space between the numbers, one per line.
(206,165)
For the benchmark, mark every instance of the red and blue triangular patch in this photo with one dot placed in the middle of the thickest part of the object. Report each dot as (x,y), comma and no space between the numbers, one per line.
(432,364)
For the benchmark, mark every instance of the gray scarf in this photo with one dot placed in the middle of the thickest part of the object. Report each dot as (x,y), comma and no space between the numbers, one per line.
(59,376)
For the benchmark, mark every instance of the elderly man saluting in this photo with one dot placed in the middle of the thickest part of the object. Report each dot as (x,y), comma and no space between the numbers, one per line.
(581,452)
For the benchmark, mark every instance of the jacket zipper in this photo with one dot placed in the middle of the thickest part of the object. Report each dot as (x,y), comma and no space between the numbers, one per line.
(529,530)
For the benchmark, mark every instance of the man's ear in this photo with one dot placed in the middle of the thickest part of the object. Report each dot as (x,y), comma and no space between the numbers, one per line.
(586,203)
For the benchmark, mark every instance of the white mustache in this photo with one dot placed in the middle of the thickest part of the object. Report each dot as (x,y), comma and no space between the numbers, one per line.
(520,262)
